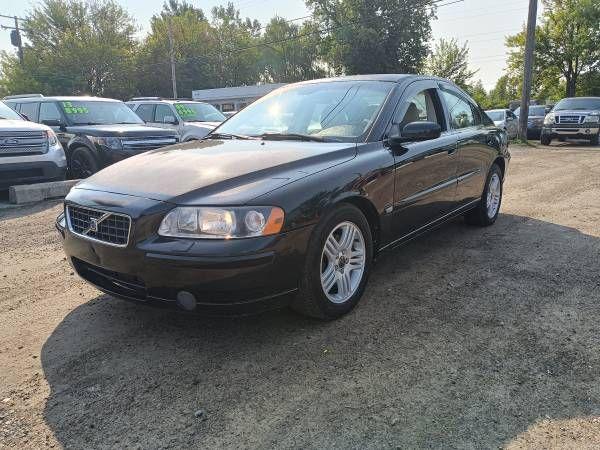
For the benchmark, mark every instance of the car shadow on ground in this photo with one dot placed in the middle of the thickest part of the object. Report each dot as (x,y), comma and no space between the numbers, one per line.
(465,338)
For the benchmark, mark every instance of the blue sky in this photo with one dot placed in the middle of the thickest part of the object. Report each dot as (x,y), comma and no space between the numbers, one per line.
(483,23)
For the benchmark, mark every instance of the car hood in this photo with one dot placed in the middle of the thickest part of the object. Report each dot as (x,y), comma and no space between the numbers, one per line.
(217,172)
(119,130)
(21,125)
(211,125)
(576,112)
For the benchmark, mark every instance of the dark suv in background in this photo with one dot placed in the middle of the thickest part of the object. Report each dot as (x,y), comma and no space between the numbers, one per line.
(535,119)
(94,132)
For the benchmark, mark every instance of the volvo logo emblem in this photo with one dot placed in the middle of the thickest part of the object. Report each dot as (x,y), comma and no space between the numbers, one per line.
(94,222)
(10,141)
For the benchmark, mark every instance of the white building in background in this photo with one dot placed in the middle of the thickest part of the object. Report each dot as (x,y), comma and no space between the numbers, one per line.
(234,98)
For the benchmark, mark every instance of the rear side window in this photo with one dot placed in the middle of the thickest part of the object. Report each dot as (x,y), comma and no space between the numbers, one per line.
(30,110)
(461,112)
(49,111)
(146,112)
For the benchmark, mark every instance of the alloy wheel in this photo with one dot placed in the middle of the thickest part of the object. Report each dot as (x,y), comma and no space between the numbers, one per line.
(342,262)
(493,195)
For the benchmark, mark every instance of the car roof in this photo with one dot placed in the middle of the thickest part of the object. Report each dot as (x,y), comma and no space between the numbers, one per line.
(65,99)
(163,100)
(390,77)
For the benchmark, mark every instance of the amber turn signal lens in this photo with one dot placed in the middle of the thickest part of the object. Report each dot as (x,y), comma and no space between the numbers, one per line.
(274,222)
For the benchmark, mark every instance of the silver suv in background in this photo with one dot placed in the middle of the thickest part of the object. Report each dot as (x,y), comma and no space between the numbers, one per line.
(191,120)
(575,117)
(505,119)
(29,152)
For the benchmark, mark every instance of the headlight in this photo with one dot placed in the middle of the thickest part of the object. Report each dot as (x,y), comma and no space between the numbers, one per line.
(52,139)
(550,118)
(114,143)
(221,223)
(592,119)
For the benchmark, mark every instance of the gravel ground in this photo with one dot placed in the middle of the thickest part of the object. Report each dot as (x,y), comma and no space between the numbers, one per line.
(466,338)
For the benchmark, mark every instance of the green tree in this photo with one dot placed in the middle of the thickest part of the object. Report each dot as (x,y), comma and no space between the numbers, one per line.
(479,94)
(74,46)
(373,36)
(566,47)
(289,52)
(194,40)
(450,60)
(506,90)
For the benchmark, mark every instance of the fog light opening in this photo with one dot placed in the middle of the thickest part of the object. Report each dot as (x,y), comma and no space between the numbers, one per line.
(186,300)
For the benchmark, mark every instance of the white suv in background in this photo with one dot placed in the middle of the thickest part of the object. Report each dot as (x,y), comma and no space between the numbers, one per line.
(29,152)
(191,120)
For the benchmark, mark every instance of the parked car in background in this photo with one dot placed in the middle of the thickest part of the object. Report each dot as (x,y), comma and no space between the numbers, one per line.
(291,197)
(576,118)
(95,132)
(29,152)
(505,119)
(535,120)
(189,119)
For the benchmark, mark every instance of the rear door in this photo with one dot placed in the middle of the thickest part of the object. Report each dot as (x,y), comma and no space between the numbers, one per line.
(425,172)
(466,123)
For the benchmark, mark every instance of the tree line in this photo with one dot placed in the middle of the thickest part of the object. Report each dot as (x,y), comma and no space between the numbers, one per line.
(90,47)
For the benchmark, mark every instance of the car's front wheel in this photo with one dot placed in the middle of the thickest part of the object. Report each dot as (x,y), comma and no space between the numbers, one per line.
(545,139)
(488,208)
(337,264)
(83,163)
(595,140)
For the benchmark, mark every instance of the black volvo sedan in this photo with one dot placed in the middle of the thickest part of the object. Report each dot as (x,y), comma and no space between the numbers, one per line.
(289,200)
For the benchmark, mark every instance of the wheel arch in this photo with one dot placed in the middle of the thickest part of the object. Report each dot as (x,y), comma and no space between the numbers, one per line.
(502,164)
(370,212)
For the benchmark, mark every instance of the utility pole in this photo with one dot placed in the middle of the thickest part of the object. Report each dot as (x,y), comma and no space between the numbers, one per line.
(172,57)
(15,36)
(528,69)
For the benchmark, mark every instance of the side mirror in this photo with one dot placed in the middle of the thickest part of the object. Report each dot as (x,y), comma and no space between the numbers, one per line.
(415,132)
(171,120)
(52,122)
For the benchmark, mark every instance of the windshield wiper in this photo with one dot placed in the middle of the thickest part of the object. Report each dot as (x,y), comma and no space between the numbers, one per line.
(292,136)
(228,136)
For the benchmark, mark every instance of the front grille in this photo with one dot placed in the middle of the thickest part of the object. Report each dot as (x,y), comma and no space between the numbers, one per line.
(103,226)
(143,144)
(570,119)
(16,143)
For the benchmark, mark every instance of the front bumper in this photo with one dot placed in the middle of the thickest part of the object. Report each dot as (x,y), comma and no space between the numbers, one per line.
(237,275)
(30,172)
(581,131)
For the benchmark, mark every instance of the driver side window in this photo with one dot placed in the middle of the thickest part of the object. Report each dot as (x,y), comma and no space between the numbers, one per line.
(421,108)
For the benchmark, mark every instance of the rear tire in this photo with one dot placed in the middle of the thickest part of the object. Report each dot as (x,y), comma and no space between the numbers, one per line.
(335,272)
(486,212)
(82,163)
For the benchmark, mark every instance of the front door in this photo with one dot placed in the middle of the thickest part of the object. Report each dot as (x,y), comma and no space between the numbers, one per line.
(425,172)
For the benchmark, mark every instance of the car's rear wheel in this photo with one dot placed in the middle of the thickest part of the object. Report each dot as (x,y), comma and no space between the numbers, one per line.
(337,264)
(83,163)
(486,212)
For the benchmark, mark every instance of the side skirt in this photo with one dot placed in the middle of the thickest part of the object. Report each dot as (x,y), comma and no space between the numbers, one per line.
(429,226)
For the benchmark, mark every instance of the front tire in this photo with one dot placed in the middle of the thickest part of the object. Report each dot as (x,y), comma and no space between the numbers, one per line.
(545,140)
(486,212)
(337,266)
(595,140)
(82,163)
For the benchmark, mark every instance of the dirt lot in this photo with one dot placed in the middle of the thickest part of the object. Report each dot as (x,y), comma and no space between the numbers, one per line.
(467,338)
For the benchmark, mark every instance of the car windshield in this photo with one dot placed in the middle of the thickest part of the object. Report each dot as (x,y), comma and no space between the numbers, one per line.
(99,113)
(198,112)
(534,111)
(583,104)
(336,111)
(7,113)
(496,116)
